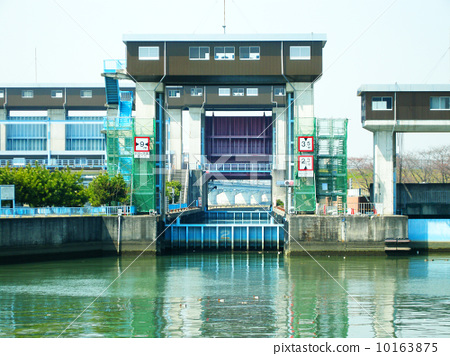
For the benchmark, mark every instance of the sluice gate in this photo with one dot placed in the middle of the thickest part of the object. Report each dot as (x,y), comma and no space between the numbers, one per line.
(227,230)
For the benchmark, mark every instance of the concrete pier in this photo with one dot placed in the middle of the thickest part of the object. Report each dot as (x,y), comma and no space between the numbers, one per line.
(342,234)
(26,239)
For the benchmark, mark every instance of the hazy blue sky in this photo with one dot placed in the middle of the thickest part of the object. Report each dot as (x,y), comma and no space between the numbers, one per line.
(369,42)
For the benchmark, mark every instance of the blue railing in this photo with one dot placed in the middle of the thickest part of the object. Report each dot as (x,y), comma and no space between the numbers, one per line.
(60,163)
(113,65)
(177,206)
(237,167)
(67,211)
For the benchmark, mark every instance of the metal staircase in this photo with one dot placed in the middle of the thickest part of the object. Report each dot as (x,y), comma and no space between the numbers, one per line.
(112,90)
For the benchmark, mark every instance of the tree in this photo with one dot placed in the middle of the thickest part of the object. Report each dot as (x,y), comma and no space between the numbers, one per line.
(176,186)
(106,190)
(38,186)
(360,170)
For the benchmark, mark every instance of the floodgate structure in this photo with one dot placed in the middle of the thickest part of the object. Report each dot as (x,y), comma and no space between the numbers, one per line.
(229,117)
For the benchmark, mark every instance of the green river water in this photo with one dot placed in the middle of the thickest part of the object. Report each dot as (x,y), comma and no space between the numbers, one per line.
(228,295)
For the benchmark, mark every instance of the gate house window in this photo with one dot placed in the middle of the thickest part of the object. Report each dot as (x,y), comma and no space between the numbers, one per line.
(224,53)
(196,91)
(382,103)
(174,93)
(300,52)
(86,94)
(440,103)
(148,53)
(249,53)
(224,91)
(27,94)
(2,94)
(199,53)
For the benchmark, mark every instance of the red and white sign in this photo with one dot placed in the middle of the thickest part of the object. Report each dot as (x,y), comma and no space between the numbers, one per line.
(305,144)
(305,163)
(142,147)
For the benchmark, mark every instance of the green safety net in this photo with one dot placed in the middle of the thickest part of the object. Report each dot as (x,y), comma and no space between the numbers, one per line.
(139,172)
(327,183)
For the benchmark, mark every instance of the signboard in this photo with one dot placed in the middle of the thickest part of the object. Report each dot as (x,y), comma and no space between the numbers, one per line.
(305,144)
(7,192)
(142,147)
(305,163)
(285,183)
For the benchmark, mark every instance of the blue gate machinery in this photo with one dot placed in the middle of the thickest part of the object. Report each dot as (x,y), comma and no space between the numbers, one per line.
(227,230)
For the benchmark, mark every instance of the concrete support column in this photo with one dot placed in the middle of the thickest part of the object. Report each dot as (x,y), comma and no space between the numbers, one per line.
(145,108)
(3,114)
(57,130)
(175,138)
(192,136)
(304,106)
(384,170)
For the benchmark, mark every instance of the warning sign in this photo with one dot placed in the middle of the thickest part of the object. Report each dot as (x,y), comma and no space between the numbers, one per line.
(305,144)
(305,163)
(142,146)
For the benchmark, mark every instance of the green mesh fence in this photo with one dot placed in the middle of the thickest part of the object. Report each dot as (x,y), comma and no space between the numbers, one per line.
(327,182)
(144,170)
(304,199)
(331,174)
(139,173)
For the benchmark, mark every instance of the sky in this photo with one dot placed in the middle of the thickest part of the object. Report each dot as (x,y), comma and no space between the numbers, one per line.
(368,42)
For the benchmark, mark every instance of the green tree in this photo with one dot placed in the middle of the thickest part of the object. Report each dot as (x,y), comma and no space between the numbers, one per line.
(38,186)
(105,190)
(176,186)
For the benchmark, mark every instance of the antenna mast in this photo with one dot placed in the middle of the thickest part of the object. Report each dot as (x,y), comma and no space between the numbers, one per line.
(224,24)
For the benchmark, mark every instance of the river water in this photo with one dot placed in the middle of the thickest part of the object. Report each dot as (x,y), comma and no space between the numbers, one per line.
(228,295)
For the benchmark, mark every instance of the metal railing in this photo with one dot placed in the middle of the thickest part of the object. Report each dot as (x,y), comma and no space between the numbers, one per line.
(67,211)
(113,65)
(350,209)
(237,167)
(59,163)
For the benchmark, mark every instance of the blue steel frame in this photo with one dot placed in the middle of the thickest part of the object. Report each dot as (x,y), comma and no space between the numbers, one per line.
(159,153)
(252,237)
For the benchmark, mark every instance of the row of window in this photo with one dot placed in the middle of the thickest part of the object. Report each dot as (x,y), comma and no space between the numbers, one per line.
(385,103)
(226,53)
(56,94)
(33,137)
(176,93)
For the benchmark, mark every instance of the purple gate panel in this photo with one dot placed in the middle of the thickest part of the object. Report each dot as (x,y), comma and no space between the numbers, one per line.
(240,139)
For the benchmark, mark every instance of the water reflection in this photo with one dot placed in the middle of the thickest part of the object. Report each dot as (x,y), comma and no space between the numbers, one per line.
(228,295)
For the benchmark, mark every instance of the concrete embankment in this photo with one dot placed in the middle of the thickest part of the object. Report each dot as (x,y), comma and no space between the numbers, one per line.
(25,239)
(342,234)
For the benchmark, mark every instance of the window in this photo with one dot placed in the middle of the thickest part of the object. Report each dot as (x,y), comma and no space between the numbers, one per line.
(85,137)
(2,94)
(440,103)
(249,53)
(224,91)
(86,94)
(199,53)
(57,94)
(196,91)
(382,103)
(279,92)
(27,94)
(224,53)
(300,53)
(252,91)
(148,53)
(238,91)
(174,93)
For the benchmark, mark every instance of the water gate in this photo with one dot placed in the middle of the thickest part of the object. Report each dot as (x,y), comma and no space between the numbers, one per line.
(227,230)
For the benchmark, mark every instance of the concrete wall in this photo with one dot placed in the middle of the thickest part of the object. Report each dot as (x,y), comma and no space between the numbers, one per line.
(343,234)
(24,239)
